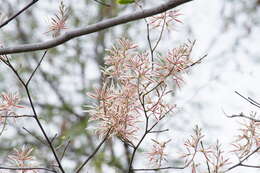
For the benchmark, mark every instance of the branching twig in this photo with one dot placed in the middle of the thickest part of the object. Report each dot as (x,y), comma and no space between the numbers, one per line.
(8,63)
(159,38)
(142,101)
(54,137)
(240,163)
(147,129)
(241,115)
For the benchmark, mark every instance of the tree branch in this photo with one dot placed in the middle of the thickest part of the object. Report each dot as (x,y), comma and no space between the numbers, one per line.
(18,13)
(93,28)
(27,169)
(240,163)
(26,87)
(158,169)
(250,100)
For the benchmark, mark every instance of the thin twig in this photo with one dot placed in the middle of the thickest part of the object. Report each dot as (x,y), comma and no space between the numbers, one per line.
(241,115)
(146,131)
(158,169)
(36,115)
(93,154)
(35,136)
(240,163)
(201,143)
(38,65)
(54,137)
(251,101)
(103,3)
(18,13)
(249,166)
(27,168)
(159,131)
(64,151)
(152,49)
(59,94)
(197,62)
(162,117)
(142,101)
(16,116)
(161,33)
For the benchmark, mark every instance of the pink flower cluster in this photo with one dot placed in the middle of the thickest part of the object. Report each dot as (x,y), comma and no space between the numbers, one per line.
(158,153)
(135,87)
(166,18)
(22,158)
(58,22)
(8,103)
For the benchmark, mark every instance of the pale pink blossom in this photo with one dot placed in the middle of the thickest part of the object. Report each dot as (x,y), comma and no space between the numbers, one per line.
(133,89)
(9,103)
(158,154)
(58,22)
(166,18)
(22,158)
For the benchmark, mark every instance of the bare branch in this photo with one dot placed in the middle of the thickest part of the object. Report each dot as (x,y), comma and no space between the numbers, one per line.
(206,157)
(158,169)
(16,116)
(65,149)
(26,87)
(38,65)
(18,13)
(159,131)
(93,28)
(103,3)
(240,163)
(93,154)
(35,136)
(29,168)
(241,115)
(250,100)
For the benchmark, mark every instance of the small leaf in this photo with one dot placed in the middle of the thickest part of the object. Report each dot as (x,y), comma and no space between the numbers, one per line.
(125,1)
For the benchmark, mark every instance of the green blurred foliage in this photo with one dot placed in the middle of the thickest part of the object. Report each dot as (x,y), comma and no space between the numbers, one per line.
(124,2)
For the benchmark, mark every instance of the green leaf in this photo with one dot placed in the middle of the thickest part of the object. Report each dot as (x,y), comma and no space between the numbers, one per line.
(125,1)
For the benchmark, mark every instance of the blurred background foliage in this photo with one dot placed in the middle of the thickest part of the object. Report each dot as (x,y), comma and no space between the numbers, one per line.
(72,69)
